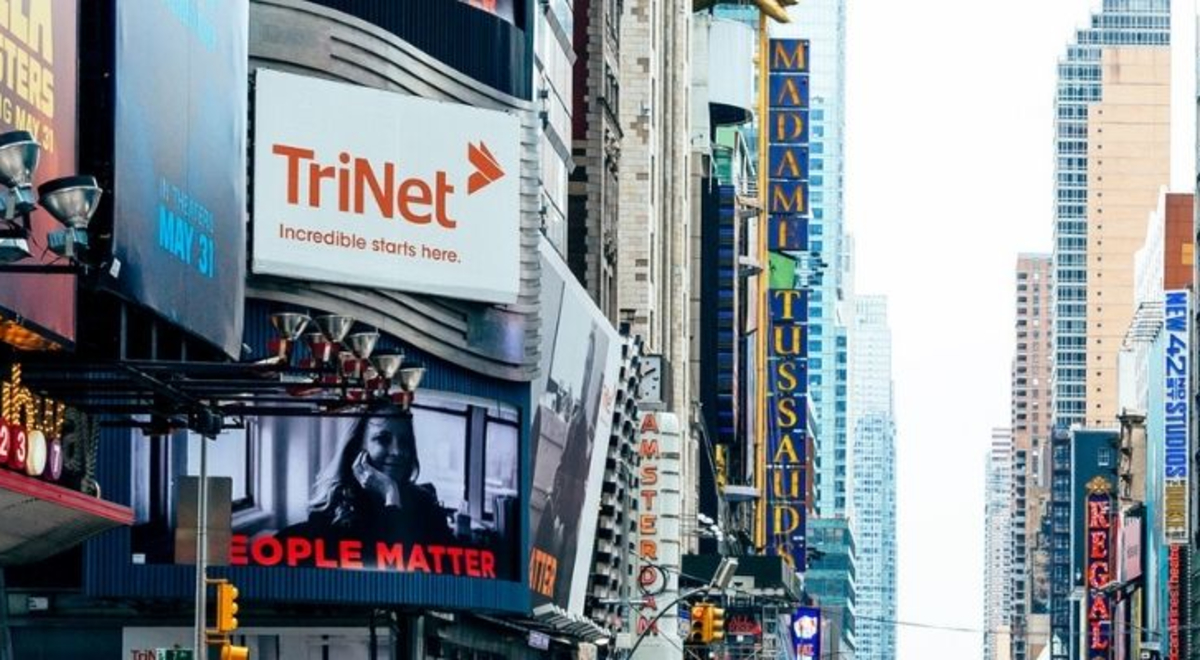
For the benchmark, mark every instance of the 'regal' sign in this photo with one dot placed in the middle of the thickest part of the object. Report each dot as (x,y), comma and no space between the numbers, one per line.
(360,186)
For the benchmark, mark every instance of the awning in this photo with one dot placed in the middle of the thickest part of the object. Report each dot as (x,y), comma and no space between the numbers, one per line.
(42,519)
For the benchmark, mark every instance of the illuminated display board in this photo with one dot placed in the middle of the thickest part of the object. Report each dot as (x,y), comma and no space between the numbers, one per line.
(787,227)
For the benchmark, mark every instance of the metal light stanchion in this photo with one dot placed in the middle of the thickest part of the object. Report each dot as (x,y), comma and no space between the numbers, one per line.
(201,645)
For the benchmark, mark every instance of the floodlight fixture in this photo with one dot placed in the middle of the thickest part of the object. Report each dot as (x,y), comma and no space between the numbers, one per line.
(387,364)
(362,344)
(72,200)
(410,378)
(335,327)
(19,154)
(289,325)
(724,573)
(13,248)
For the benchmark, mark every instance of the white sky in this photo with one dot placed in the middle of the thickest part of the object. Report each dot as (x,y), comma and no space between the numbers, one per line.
(949,135)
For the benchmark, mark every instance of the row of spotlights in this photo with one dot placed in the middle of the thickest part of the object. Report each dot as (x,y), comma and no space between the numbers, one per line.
(71,200)
(334,329)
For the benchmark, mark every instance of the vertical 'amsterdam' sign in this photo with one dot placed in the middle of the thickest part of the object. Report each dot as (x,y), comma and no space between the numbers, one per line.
(787,227)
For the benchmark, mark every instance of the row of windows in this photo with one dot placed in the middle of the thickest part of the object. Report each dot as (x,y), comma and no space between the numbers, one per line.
(1118,38)
(1072,211)
(1072,163)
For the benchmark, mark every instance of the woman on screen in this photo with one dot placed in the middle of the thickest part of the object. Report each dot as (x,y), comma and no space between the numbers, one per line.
(370,491)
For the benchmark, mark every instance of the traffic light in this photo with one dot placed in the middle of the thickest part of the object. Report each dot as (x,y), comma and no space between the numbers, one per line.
(696,629)
(227,608)
(231,652)
(715,625)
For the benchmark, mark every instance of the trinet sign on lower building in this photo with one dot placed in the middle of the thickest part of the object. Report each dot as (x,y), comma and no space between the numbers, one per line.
(363,187)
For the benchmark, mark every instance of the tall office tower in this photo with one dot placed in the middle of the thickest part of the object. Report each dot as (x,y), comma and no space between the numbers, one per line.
(596,148)
(874,485)
(1031,426)
(1112,128)
(997,577)
(654,226)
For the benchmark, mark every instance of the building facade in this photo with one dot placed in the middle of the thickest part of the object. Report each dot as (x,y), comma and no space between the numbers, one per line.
(1079,201)
(874,485)
(998,526)
(1031,423)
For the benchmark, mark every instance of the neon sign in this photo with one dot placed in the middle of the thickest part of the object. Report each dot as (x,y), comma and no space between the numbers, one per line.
(1099,570)
(30,430)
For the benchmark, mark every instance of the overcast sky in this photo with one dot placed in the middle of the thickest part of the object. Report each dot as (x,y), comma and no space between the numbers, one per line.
(949,135)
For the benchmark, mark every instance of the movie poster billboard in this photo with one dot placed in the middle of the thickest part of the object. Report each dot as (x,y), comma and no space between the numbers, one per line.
(433,489)
(574,399)
(180,162)
(38,94)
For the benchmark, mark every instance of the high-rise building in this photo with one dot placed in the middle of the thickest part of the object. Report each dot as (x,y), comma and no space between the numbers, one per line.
(1031,421)
(874,484)
(997,576)
(596,149)
(1114,76)
(1112,126)
(654,228)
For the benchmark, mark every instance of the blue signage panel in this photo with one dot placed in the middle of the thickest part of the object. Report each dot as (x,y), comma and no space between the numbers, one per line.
(180,162)
(787,233)
(1176,415)
(806,633)
(787,126)
(787,161)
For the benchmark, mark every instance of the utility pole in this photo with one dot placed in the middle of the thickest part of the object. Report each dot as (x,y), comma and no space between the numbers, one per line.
(202,551)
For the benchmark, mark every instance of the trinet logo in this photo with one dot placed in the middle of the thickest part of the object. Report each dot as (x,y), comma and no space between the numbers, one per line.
(362,187)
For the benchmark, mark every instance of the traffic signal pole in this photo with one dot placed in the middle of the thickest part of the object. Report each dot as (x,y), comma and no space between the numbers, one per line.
(201,645)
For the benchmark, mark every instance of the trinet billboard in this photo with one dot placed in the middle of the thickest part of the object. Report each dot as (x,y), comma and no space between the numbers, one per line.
(369,188)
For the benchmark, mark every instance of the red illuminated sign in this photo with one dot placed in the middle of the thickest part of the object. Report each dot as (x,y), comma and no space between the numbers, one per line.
(1175,571)
(30,430)
(1099,573)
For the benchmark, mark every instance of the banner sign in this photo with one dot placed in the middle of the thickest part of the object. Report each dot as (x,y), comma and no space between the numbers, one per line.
(1177,415)
(574,400)
(806,633)
(397,192)
(431,490)
(1176,603)
(180,162)
(1099,564)
(787,352)
(659,543)
(37,94)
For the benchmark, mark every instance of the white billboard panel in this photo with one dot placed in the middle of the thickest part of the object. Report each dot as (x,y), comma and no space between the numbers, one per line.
(364,187)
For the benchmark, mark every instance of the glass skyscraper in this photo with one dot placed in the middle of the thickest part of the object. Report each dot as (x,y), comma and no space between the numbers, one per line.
(874,483)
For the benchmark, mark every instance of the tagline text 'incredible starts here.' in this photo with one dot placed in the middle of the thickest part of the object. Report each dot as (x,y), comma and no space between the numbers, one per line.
(352,241)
